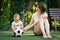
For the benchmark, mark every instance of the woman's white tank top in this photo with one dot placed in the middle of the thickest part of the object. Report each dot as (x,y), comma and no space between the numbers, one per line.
(34,16)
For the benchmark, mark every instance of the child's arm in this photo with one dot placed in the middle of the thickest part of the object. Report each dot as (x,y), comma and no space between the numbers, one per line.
(21,26)
(13,27)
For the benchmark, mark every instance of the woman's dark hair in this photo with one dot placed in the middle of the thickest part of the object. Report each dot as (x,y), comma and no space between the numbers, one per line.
(42,6)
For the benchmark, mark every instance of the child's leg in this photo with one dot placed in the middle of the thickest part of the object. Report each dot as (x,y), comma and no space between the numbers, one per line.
(47,28)
(42,28)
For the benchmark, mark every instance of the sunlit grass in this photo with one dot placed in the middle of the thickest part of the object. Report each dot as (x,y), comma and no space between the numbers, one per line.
(7,35)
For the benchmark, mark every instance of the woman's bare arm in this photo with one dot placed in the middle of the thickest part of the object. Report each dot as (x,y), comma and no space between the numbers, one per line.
(31,24)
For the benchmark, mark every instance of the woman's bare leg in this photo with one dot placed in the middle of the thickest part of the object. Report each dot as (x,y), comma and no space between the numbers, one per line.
(37,30)
(47,28)
(42,28)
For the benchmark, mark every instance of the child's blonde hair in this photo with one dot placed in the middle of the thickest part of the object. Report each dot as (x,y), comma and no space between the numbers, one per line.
(15,15)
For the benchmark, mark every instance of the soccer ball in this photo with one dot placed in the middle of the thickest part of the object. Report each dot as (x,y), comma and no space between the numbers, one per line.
(18,32)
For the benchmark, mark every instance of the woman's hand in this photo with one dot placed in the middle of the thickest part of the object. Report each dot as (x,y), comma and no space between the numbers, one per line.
(26,28)
(29,26)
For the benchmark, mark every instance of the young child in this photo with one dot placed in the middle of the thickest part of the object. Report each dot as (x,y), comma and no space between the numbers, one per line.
(17,22)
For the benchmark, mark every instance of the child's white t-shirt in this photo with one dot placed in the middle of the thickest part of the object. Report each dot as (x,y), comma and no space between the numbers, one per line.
(17,24)
(34,16)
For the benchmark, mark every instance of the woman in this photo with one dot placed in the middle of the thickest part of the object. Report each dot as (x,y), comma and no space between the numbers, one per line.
(39,21)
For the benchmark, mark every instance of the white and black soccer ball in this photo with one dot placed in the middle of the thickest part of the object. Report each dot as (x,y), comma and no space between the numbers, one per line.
(18,32)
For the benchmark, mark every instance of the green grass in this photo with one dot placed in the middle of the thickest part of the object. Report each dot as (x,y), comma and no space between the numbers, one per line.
(7,35)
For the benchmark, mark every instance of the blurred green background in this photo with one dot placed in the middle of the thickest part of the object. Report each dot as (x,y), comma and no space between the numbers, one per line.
(23,7)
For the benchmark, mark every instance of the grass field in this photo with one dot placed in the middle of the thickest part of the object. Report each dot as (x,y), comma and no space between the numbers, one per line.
(7,35)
